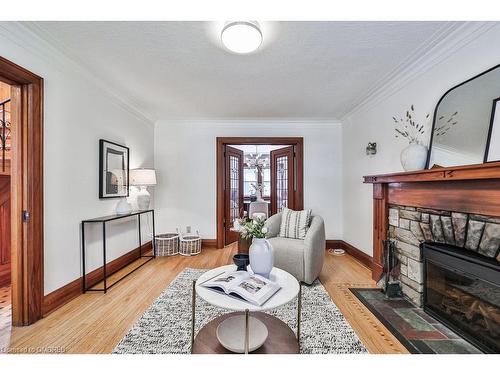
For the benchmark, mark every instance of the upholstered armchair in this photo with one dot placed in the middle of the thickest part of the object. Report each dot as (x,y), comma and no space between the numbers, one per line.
(302,258)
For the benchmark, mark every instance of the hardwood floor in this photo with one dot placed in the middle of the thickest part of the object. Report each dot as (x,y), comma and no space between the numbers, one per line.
(5,316)
(94,322)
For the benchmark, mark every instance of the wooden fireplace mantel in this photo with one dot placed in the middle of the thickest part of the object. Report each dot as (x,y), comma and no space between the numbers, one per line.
(467,172)
(473,189)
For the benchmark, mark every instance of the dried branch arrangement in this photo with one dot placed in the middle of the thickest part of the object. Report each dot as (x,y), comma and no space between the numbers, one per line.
(409,128)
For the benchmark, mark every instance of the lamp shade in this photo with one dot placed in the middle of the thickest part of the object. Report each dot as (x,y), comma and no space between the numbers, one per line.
(143,177)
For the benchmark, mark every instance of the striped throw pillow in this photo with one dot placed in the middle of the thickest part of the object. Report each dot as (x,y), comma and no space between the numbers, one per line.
(294,224)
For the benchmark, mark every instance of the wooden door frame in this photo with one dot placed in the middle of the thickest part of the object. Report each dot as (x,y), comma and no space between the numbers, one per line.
(274,197)
(233,152)
(297,142)
(26,192)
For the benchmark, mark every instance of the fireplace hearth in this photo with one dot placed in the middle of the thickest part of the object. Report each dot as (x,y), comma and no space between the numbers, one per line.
(462,290)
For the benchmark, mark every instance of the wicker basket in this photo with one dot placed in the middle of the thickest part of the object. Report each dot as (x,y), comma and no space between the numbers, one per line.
(167,244)
(190,244)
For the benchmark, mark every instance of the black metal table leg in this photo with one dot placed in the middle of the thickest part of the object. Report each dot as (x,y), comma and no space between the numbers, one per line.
(140,239)
(104,256)
(84,286)
(154,234)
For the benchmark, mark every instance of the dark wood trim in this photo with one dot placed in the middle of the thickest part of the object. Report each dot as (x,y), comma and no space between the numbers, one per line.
(468,172)
(61,296)
(209,243)
(232,154)
(7,168)
(66,293)
(480,197)
(4,275)
(298,142)
(335,244)
(361,256)
(380,227)
(289,153)
(5,234)
(26,192)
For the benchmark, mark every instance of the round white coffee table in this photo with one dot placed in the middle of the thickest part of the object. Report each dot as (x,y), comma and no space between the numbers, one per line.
(242,332)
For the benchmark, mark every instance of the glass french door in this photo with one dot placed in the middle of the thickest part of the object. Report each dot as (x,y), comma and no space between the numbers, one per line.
(282,179)
(233,191)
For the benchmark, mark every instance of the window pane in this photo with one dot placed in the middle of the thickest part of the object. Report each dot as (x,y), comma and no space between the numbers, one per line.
(248,189)
(267,174)
(234,192)
(267,188)
(250,174)
(282,182)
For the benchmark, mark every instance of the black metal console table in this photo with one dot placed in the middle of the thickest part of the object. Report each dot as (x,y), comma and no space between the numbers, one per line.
(103,220)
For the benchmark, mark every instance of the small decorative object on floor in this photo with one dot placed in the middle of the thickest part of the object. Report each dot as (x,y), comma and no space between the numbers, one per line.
(123,207)
(414,156)
(392,271)
(190,244)
(261,252)
(167,244)
(337,252)
(241,261)
(143,178)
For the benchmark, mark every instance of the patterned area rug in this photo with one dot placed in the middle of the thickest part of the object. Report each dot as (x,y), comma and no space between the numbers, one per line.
(165,327)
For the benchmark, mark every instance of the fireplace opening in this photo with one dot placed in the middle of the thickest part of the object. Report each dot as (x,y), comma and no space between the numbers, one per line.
(462,290)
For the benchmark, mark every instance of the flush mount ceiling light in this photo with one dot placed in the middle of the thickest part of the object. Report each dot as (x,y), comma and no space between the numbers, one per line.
(241,36)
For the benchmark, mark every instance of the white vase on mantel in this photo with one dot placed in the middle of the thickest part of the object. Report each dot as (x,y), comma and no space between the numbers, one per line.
(261,255)
(413,157)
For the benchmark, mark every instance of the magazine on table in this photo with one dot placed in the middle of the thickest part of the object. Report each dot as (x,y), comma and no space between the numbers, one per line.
(253,288)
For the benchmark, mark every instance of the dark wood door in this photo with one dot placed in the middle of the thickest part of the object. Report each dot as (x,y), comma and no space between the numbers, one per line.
(233,191)
(282,179)
(4,230)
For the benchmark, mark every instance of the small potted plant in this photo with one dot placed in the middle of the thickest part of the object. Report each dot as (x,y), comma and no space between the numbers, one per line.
(261,252)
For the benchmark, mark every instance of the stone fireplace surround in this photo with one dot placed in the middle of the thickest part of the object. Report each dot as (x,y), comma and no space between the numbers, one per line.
(411,226)
(459,206)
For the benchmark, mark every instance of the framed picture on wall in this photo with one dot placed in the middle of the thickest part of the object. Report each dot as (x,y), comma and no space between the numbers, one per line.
(493,144)
(113,170)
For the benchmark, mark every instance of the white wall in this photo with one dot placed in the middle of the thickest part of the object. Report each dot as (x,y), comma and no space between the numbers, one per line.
(186,165)
(374,124)
(77,113)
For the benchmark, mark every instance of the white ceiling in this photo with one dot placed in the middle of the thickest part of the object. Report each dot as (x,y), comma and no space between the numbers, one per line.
(302,70)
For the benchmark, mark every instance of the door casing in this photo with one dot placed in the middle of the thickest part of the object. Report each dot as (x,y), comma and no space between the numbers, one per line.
(26,192)
(232,152)
(221,142)
(287,152)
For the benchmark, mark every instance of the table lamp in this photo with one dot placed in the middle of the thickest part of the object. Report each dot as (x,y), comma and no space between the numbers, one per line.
(143,177)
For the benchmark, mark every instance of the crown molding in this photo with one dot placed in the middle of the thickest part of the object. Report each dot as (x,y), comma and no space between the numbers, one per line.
(31,38)
(259,121)
(446,41)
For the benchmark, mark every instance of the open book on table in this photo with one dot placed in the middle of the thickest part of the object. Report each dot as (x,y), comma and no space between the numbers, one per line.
(241,284)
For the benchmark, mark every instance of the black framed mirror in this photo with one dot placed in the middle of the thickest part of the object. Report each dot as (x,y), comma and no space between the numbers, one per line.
(463,122)
(493,145)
